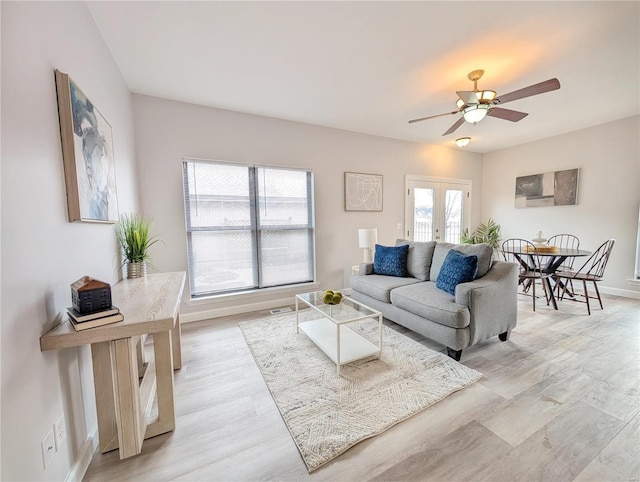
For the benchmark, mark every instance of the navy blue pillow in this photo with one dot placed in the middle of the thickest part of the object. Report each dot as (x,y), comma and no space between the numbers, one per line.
(457,268)
(391,260)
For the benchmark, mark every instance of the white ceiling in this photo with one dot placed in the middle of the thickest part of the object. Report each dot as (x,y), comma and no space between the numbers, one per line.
(371,66)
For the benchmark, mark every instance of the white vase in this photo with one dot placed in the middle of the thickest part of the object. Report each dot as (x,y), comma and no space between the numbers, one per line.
(137,270)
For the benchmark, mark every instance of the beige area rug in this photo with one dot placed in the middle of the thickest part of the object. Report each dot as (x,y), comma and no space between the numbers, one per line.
(327,414)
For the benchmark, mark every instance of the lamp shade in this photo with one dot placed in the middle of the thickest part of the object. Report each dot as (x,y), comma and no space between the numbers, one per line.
(486,95)
(475,113)
(367,237)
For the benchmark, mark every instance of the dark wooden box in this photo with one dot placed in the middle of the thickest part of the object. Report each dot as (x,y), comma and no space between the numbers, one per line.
(90,295)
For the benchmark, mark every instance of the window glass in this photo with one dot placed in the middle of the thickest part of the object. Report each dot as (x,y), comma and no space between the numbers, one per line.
(248,227)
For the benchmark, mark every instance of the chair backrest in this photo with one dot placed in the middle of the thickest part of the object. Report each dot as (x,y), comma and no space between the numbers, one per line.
(597,262)
(565,241)
(528,258)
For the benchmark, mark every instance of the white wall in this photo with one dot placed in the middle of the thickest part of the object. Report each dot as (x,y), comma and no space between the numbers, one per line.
(608,156)
(167,131)
(42,253)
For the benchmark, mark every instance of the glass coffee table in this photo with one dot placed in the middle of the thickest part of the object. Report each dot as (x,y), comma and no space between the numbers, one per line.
(330,332)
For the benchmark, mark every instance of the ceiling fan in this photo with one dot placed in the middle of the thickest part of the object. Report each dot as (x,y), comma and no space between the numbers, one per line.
(475,104)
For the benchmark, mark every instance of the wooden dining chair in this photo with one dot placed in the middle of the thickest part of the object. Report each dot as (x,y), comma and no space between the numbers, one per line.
(592,270)
(564,241)
(524,253)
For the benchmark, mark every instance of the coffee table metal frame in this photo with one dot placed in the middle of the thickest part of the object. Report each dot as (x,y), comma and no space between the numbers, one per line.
(331,333)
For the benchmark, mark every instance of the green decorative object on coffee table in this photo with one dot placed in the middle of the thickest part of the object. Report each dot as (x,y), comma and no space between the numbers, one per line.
(331,297)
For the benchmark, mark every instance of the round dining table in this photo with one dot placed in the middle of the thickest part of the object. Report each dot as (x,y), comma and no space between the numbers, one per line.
(551,260)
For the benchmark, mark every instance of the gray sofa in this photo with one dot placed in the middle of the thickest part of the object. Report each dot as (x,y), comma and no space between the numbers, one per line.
(480,309)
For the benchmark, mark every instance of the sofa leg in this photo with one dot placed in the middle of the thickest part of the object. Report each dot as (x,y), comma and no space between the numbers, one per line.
(455,354)
(504,336)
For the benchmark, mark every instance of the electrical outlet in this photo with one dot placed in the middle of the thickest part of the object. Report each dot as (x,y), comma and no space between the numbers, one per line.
(48,448)
(59,431)
(399,226)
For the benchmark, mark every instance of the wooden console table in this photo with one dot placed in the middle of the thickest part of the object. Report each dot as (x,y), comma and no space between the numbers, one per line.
(126,385)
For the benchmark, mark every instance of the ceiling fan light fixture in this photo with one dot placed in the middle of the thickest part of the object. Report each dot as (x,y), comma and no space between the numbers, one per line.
(475,113)
(486,95)
(475,104)
(463,141)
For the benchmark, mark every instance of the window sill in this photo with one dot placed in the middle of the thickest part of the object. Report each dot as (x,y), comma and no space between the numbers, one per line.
(634,282)
(254,294)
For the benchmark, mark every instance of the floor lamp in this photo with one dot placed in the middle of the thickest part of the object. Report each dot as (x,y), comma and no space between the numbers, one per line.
(367,239)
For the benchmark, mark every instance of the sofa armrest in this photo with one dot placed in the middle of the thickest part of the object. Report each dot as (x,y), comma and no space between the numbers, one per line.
(492,301)
(365,268)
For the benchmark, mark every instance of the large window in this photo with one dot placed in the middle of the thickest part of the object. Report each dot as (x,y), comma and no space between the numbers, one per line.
(248,227)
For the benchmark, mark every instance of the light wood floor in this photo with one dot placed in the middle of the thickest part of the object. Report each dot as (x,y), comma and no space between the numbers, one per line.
(559,401)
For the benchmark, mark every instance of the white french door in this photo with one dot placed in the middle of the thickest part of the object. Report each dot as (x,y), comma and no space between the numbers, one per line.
(436,209)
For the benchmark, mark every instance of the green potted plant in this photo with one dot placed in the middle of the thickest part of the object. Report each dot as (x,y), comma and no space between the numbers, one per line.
(133,232)
(485,233)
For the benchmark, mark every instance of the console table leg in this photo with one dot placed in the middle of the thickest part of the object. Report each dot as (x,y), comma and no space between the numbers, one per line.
(176,335)
(142,361)
(164,381)
(105,406)
(131,423)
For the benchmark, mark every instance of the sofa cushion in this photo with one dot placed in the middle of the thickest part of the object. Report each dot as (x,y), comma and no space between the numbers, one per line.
(391,260)
(483,251)
(419,257)
(379,286)
(457,268)
(428,301)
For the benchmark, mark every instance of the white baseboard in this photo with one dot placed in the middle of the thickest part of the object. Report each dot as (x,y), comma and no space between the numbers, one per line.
(619,292)
(79,469)
(234,310)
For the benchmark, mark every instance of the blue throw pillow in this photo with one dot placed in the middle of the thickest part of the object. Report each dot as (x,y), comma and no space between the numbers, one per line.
(457,268)
(391,260)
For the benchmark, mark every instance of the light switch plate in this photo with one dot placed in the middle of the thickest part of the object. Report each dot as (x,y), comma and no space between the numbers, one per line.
(59,431)
(48,448)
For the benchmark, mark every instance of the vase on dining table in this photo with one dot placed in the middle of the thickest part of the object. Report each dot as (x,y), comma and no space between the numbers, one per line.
(539,240)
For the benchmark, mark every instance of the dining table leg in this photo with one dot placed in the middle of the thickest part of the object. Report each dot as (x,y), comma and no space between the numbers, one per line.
(550,291)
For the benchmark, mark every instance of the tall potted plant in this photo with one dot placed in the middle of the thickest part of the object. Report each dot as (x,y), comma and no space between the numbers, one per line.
(485,233)
(134,237)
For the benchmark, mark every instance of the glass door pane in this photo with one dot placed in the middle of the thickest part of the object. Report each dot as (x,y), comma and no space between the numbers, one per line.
(452,215)
(423,200)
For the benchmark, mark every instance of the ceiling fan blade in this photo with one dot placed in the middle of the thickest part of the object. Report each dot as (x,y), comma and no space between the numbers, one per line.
(468,97)
(457,124)
(432,117)
(507,114)
(541,88)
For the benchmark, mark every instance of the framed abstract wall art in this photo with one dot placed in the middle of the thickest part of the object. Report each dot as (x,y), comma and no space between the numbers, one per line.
(559,188)
(87,153)
(362,192)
